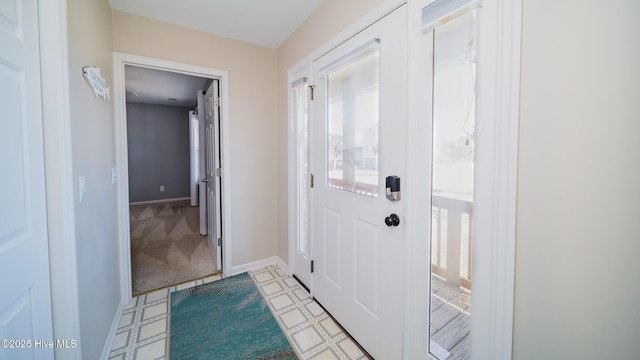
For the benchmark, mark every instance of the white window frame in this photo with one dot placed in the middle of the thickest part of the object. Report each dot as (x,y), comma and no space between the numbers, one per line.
(497,115)
(301,70)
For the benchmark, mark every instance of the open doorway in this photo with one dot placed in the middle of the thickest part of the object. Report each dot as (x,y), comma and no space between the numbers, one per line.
(169,234)
(166,156)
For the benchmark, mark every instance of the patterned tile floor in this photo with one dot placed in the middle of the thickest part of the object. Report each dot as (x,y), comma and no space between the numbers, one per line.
(142,331)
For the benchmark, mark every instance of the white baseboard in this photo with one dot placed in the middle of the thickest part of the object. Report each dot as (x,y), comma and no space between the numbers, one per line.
(159,201)
(235,270)
(108,344)
(282,265)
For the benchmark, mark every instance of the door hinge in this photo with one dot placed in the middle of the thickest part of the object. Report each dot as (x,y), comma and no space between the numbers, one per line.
(218,172)
(311,180)
(216,102)
(311,92)
(312,264)
(219,241)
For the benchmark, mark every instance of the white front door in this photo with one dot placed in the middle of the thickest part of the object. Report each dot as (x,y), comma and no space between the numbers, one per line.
(359,134)
(212,146)
(25,298)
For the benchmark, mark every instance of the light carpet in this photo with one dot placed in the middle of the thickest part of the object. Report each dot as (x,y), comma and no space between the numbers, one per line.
(166,245)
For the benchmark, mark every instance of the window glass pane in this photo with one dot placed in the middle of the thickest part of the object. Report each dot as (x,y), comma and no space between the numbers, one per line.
(452,192)
(299,98)
(352,143)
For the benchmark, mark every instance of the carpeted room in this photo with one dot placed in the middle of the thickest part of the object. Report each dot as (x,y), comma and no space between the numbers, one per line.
(167,247)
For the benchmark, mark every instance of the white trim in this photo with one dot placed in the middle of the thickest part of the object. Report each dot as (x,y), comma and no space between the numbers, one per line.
(498,105)
(239,269)
(301,81)
(497,116)
(119,62)
(302,69)
(59,174)
(282,265)
(108,344)
(294,185)
(417,190)
(368,47)
(159,201)
(444,11)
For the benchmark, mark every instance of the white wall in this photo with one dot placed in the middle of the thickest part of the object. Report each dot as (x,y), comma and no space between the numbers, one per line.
(578,232)
(92,135)
(252,111)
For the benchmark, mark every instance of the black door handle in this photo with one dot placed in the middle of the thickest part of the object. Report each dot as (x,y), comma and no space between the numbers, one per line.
(392,220)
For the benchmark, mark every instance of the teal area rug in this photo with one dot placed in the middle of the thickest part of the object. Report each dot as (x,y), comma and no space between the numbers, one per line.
(225,319)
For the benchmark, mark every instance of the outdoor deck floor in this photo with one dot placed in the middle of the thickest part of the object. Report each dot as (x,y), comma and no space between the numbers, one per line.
(450,318)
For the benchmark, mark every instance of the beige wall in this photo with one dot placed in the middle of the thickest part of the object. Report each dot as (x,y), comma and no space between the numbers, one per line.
(92,141)
(328,21)
(578,231)
(252,109)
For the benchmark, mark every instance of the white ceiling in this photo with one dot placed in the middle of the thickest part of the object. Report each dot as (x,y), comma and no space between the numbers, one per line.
(152,86)
(267,23)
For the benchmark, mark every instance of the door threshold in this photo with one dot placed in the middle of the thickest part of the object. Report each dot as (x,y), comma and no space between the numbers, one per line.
(301,283)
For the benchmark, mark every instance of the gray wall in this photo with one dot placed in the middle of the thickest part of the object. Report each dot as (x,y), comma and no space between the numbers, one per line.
(158,146)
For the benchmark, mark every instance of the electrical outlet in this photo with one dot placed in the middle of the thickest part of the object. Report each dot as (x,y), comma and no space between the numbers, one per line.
(161,187)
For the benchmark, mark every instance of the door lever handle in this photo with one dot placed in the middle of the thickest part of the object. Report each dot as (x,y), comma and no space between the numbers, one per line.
(204,180)
(392,220)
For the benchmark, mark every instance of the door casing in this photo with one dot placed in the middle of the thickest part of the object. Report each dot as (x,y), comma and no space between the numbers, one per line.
(59,174)
(299,264)
(119,62)
(212,158)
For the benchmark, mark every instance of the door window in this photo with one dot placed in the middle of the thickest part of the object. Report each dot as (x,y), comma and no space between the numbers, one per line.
(452,185)
(352,137)
(299,104)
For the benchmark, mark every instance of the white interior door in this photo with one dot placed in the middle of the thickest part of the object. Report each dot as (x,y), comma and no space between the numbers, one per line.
(359,132)
(202,161)
(25,298)
(212,145)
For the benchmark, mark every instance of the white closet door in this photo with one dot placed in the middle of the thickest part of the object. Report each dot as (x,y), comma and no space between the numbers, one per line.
(25,298)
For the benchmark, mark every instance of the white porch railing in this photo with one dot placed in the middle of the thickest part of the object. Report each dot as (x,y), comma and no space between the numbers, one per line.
(451,241)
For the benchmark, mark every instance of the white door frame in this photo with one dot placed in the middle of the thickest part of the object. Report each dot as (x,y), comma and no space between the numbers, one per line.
(119,100)
(495,180)
(499,29)
(59,174)
(498,110)
(293,173)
